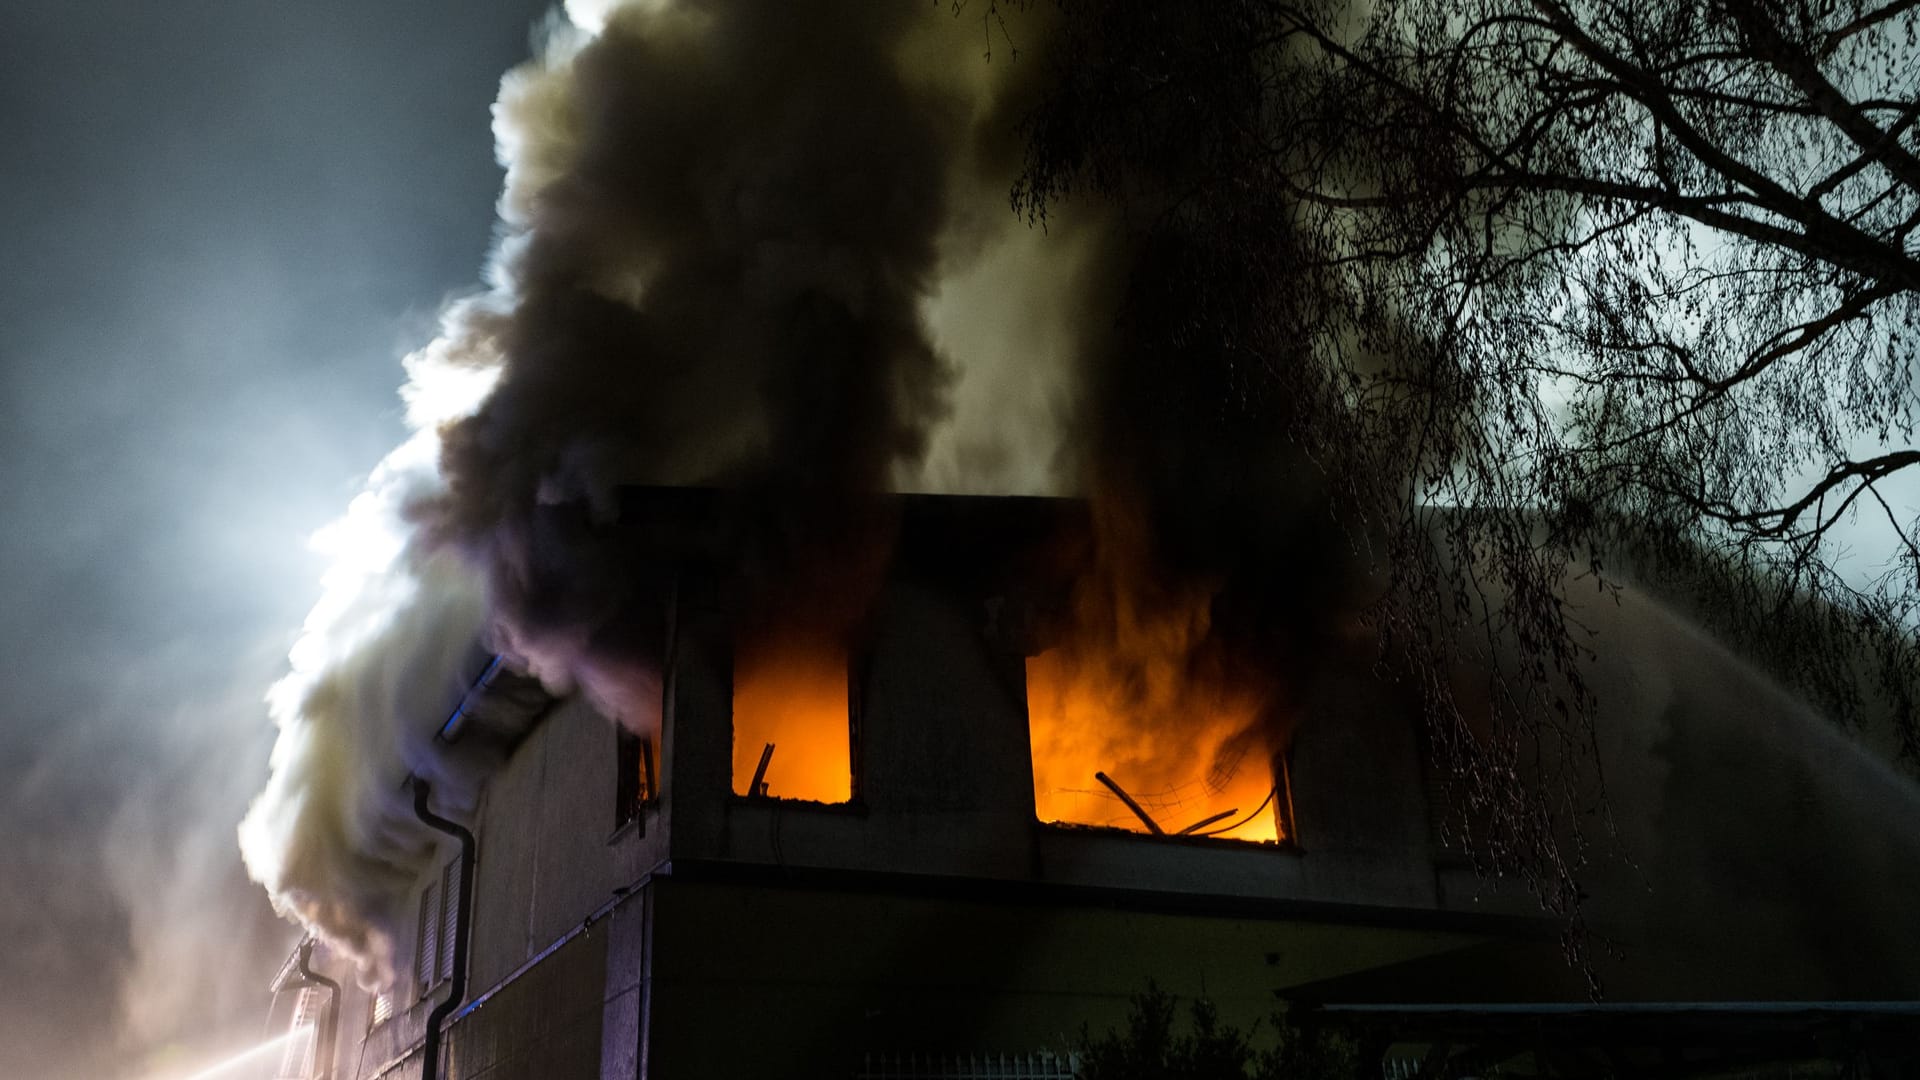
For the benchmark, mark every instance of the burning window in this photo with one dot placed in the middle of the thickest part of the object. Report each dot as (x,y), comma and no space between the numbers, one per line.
(792,723)
(635,786)
(1195,764)
(1145,717)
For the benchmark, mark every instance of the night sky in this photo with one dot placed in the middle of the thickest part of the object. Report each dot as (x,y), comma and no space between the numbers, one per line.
(225,223)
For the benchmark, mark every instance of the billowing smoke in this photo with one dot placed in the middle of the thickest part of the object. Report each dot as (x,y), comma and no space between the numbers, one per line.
(730,255)
(712,279)
(765,247)
(392,643)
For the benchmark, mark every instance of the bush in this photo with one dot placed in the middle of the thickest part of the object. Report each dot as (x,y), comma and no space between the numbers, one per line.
(1150,1049)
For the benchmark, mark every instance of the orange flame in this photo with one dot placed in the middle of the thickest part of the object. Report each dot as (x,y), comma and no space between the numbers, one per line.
(1140,691)
(790,690)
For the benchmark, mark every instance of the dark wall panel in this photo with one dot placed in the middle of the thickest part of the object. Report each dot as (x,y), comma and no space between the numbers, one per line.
(545,1025)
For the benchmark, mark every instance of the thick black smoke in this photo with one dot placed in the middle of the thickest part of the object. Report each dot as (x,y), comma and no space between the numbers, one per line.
(724,230)
(723,284)
(740,242)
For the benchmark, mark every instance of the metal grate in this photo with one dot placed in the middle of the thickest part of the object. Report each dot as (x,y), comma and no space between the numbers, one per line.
(1039,1065)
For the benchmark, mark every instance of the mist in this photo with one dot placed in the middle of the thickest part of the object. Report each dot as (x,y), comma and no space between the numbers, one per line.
(226,221)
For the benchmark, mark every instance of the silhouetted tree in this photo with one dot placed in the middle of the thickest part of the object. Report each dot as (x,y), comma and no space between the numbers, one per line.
(1538,286)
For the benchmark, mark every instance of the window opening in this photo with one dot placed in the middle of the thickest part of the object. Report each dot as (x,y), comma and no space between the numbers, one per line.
(636,786)
(792,719)
(382,1009)
(1153,744)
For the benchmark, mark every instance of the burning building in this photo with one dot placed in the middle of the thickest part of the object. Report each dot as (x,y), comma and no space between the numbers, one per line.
(894,829)
(904,826)
(757,771)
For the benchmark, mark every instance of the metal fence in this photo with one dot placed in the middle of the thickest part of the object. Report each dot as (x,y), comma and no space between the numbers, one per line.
(1039,1065)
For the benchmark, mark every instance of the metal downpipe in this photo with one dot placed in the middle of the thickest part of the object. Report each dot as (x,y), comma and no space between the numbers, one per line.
(457,983)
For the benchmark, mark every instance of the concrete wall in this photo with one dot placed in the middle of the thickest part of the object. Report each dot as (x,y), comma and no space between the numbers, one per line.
(544,1025)
(549,852)
(551,870)
(762,979)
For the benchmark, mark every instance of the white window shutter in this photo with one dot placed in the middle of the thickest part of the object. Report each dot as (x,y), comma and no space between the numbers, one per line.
(449,916)
(426,943)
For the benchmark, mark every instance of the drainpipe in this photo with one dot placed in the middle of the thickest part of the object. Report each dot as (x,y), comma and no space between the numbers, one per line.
(457,985)
(329,1028)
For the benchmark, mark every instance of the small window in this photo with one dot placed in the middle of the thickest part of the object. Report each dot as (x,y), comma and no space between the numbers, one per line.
(635,784)
(382,1009)
(438,924)
(792,719)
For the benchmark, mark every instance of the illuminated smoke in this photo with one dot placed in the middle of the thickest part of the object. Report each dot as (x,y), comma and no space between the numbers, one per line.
(725,229)
(391,644)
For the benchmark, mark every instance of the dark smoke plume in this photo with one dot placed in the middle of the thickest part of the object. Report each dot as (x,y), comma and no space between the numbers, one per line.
(744,245)
(726,227)
(721,285)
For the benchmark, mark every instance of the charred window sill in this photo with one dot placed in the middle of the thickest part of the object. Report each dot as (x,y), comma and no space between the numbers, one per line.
(852,808)
(1070,828)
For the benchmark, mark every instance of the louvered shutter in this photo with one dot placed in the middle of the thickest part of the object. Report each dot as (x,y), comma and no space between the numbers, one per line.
(426,943)
(449,916)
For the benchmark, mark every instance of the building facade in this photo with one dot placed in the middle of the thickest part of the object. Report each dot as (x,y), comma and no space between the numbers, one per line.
(877,893)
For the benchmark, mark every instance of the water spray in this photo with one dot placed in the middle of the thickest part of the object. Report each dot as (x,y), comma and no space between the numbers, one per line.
(237,1060)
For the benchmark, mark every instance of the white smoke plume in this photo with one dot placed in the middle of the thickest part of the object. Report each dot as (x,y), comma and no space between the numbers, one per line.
(390,646)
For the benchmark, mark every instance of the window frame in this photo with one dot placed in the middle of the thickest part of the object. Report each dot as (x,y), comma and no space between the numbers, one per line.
(636,778)
(857,664)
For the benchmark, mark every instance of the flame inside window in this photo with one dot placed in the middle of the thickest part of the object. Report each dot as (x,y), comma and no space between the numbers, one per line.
(1139,721)
(790,694)
(1204,773)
